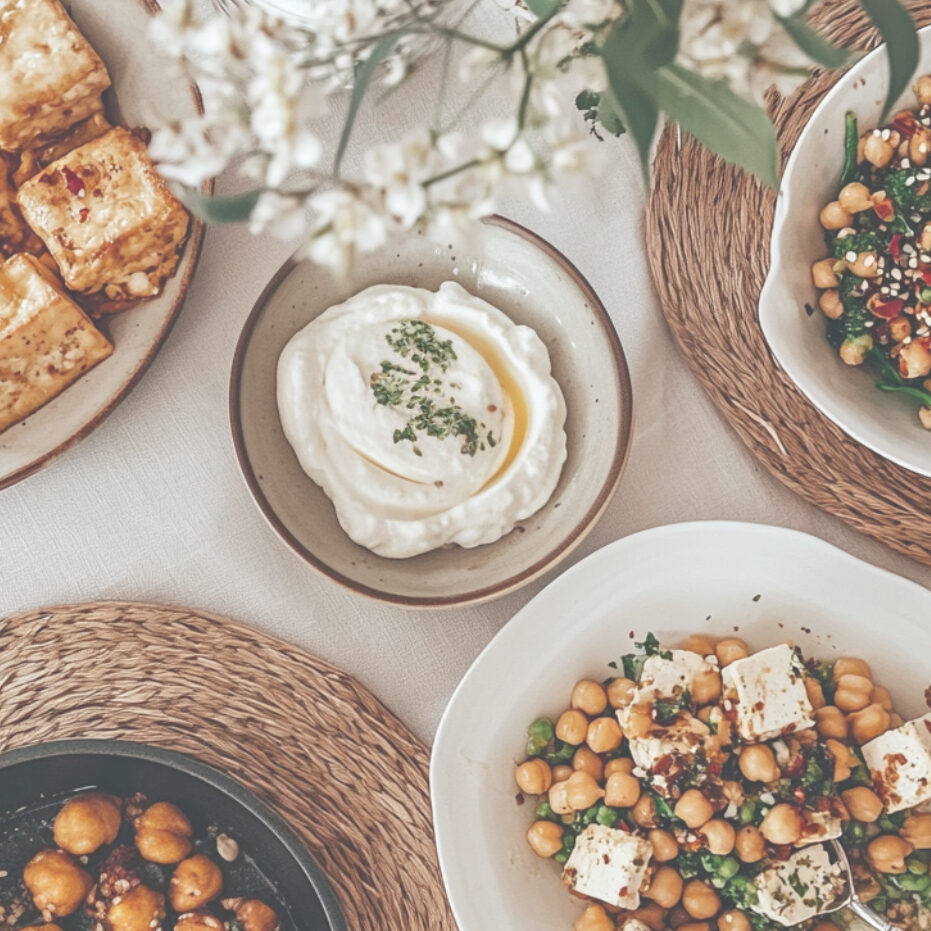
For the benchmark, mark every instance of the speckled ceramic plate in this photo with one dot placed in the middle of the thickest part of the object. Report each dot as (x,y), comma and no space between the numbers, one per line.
(534,285)
(142,89)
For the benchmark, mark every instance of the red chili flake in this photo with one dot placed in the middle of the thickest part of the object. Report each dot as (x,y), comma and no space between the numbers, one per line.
(885,310)
(75,184)
(85,213)
(885,209)
(906,124)
(714,769)
(894,246)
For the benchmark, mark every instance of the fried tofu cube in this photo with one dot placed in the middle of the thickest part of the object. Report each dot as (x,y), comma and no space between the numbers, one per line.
(46,340)
(107,217)
(52,77)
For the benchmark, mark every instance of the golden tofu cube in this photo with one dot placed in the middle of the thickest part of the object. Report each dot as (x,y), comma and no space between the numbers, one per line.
(107,217)
(51,76)
(46,340)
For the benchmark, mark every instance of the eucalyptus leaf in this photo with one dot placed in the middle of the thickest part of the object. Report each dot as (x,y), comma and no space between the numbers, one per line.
(544,9)
(610,114)
(364,74)
(898,30)
(221,209)
(817,48)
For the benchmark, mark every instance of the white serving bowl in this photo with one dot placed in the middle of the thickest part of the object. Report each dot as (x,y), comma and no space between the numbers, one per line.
(763,584)
(886,423)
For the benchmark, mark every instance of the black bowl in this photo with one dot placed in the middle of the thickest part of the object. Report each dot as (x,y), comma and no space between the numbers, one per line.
(273,863)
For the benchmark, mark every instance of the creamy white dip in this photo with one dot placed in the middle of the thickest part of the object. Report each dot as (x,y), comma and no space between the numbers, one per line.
(427,417)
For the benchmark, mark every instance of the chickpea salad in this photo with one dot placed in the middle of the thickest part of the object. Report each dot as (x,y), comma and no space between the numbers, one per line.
(111,864)
(696,788)
(876,280)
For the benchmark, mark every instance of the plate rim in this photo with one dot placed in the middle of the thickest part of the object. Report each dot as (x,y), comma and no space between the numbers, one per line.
(192,249)
(582,526)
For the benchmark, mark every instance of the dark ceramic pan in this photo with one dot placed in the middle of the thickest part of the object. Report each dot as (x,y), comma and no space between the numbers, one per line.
(273,864)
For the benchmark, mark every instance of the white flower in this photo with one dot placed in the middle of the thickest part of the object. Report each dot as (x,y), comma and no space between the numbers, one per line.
(343,225)
(284,216)
(499,132)
(397,171)
(198,148)
(787,8)
(586,13)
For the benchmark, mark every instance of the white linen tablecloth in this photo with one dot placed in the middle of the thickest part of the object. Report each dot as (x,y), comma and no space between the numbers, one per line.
(152,506)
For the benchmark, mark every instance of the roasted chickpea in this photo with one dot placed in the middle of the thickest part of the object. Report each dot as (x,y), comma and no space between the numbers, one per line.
(782,825)
(863,804)
(872,721)
(43,928)
(604,735)
(140,910)
(880,695)
(639,721)
(195,882)
(706,687)
(832,307)
(621,692)
(620,764)
(701,644)
(923,89)
(823,275)
(695,926)
(694,809)
(572,727)
(589,696)
(853,692)
(835,217)
(730,649)
(719,836)
(758,764)
(644,812)
(750,844)
(594,918)
(255,915)
(86,823)
(545,838)
(562,772)
(622,790)
(887,853)
(866,265)
(582,791)
(919,146)
(849,665)
(588,762)
(163,833)
(735,920)
(700,900)
(56,883)
(665,887)
(199,921)
(534,776)
(878,151)
(652,915)
(830,722)
(844,759)
(665,845)
(812,686)
(855,197)
(917,830)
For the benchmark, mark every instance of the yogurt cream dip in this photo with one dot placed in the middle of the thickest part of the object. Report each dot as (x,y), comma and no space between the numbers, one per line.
(428,418)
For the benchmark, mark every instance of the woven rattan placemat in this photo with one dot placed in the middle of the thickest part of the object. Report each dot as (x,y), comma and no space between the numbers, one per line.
(301,734)
(708,227)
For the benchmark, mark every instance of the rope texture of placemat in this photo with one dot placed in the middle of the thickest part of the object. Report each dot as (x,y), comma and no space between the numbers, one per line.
(301,734)
(708,228)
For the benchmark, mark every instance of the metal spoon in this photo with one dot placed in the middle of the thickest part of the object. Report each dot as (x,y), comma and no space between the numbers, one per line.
(862,911)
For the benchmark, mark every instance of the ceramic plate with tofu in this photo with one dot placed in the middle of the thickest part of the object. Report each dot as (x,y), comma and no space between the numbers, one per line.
(54,67)
(735,722)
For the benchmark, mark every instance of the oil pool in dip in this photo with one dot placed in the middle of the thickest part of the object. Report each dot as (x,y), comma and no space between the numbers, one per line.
(427,417)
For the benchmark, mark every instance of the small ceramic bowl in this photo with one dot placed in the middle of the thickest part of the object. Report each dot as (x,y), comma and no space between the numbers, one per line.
(532,283)
(887,424)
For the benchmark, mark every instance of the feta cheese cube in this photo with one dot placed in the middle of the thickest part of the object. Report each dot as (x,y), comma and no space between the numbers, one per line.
(819,826)
(900,764)
(682,738)
(609,865)
(799,888)
(769,692)
(667,678)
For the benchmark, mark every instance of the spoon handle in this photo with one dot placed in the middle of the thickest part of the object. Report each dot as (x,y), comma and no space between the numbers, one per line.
(873,919)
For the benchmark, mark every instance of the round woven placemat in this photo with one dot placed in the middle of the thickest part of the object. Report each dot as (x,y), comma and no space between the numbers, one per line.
(301,734)
(708,227)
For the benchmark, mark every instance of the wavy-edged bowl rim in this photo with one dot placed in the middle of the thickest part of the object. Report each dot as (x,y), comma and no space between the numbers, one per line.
(583,525)
(194,243)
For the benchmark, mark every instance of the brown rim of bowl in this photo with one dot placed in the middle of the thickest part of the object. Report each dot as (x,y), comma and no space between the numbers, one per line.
(194,243)
(564,548)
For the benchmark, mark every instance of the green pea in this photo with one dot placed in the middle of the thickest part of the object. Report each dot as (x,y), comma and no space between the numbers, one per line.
(560,857)
(729,868)
(916,866)
(561,753)
(608,816)
(855,831)
(879,904)
(926,295)
(748,812)
(719,882)
(908,882)
(544,811)
(541,729)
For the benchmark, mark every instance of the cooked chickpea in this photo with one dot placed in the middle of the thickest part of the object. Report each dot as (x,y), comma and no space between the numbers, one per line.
(855,196)
(665,845)
(253,914)
(695,926)
(853,692)
(139,910)
(56,883)
(835,217)
(923,89)
(827,925)
(665,887)
(814,692)
(199,921)
(561,772)
(872,721)
(594,918)
(700,900)
(622,790)
(863,803)
(639,721)
(620,764)
(865,265)
(534,776)
(694,809)
(652,915)
(830,722)
(919,146)
(849,665)
(604,735)
(588,762)
(887,853)
(545,838)
(86,823)
(758,764)
(719,836)
(782,825)
(853,350)
(730,649)
(163,834)
(43,928)
(881,696)
(195,882)
(750,844)
(914,360)
(582,791)
(917,830)
(899,328)
(878,151)
(735,920)
(706,687)
(844,759)
(701,644)
(558,797)
(644,812)
(620,692)
(822,274)
(589,696)
(832,307)
(572,727)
